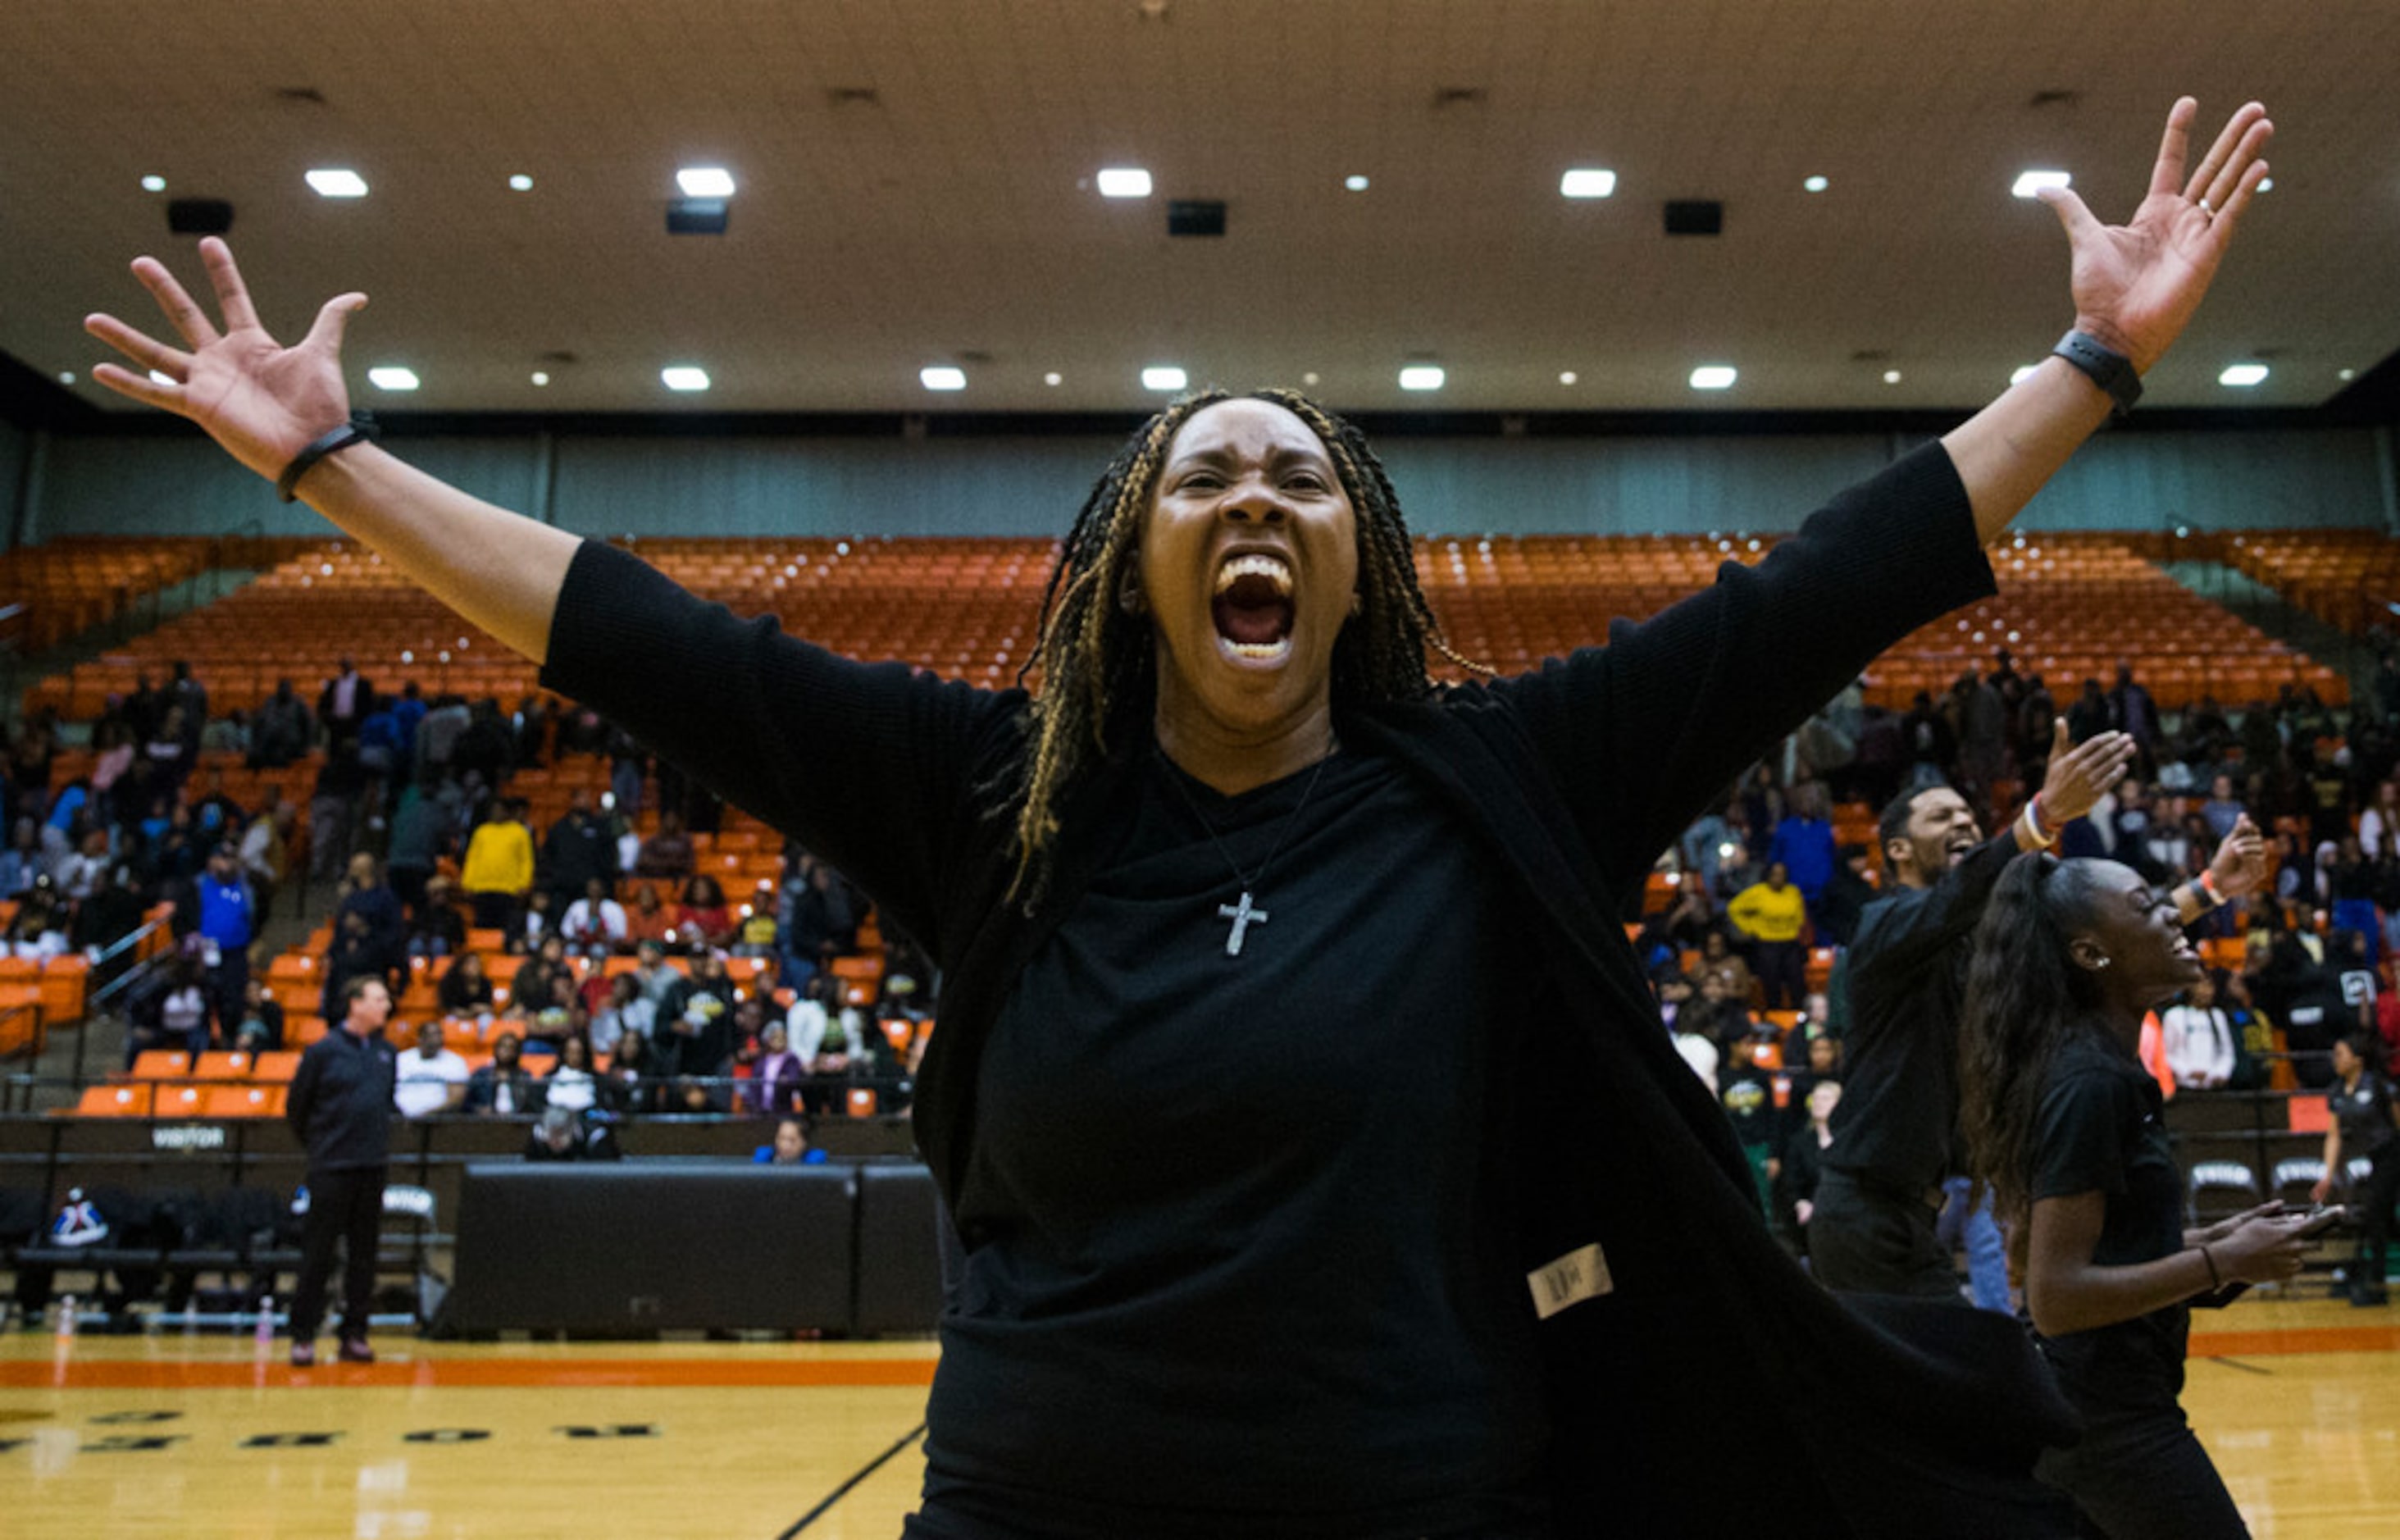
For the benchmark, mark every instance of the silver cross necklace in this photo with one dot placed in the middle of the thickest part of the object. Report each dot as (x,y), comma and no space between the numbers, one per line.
(1243,911)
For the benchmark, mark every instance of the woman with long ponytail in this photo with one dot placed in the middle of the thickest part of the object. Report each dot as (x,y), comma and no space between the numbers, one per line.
(2065,1126)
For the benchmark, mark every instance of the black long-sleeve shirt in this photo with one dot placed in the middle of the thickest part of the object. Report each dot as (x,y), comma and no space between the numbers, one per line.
(1897,1125)
(340,1101)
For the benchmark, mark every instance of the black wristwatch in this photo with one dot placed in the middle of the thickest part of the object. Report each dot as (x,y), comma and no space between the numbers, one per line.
(2111,370)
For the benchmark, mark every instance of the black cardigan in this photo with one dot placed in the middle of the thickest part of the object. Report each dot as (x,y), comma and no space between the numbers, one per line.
(1914,1419)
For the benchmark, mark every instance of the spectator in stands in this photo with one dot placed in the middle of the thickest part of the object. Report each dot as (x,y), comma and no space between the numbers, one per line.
(431,1078)
(1982,729)
(789,1147)
(648,921)
(595,924)
(342,704)
(1692,1030)
(530,989)
(2365,1124)
(171,751)
(629,1013)
(2133,713)
(222,910)
(579,851)
(39,931)
(2064,1125)
(1804,842)
(21,862)
(539,920)
(697,1020)
(660,979)
(820,921)
(464,990)
(364,892)
(180,1015)
(1705,844)
(259,1027)
(498,869)
(2199,1038)
(667,853)
(758,931)
(562,1133)
(356,950)
(420,820)
(571,1083)
(116,749)
(704,919)
(265,853)
(2090,715)
(1747,1093)
(1804,1157)
(487,748)
(1772,914)
(2379,827)
(282,730)
(630,1085)
(550,1022)
(1725,968)
(85,870)
(1837,911)
(503,1088)
(435,927)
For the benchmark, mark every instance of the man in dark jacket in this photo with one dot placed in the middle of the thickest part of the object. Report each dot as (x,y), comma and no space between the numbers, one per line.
(577,848)
(340,1105)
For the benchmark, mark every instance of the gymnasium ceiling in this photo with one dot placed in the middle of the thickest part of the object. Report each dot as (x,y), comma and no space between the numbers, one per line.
(915,188)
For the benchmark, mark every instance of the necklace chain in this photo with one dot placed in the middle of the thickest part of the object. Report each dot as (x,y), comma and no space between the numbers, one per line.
(1242,912)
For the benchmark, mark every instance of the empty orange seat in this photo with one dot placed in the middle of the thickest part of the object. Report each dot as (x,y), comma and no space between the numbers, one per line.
(64,980)
(860,1103)
(114,1101)
(179,1100)
(220,1066)
(162,1064)
(242,1101)
(275,1069)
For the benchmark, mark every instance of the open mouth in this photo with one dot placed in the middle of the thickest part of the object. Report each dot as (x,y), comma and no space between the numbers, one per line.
(2183,950)
(1251,605)
(1961,843)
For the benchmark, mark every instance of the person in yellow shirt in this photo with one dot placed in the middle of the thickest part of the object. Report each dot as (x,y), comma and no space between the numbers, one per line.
(498,869)
(1772,914)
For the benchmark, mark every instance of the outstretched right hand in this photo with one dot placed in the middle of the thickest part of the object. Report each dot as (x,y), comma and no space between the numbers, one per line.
(2081,774)
(263,402)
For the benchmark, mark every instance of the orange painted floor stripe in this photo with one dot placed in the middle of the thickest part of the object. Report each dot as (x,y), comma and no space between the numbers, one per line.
(2312,1339)
(461,1373)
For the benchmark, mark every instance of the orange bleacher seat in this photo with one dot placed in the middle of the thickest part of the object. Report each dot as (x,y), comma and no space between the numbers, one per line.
(114,1101)
(21,1019)
(222,1066)
(861,1102)
(242,1101)
(64,980)
(899,1032)
(162,1064)
(303,1031)
(276,1068)
(181,1100)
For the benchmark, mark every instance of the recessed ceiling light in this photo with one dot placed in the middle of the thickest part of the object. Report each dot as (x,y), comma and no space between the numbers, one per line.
(2242,375)
(1421,376)
(1587,181)
(161,377)
(2348,375)
(1891,377)
(66,376)
(2029,182)
(541,376)
(1816,184)
(1054,377)
(943,376)
(2265,183)
(1355,184)
(684,376)
(338,182)
(153,184)
(1566,377)
(392,376)
(1310,379)
(2022,373)
(1713,376)
(520,183)
(1163,377)
(1124,182)
(705,182)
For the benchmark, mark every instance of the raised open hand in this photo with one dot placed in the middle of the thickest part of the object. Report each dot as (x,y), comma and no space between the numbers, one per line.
(2240,865)
(263,402)
(2136,284)
(2081,774)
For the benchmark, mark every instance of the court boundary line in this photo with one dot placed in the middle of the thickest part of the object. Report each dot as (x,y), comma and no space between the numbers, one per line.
(844,1489)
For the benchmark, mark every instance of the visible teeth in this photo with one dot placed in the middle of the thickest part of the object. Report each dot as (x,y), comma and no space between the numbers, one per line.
(1269,568)
(1262,650)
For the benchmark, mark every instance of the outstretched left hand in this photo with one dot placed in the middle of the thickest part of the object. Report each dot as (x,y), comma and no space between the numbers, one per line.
(2240,862)
(2136,284)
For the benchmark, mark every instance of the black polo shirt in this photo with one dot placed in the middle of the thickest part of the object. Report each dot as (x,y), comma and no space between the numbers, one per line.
(340,1101)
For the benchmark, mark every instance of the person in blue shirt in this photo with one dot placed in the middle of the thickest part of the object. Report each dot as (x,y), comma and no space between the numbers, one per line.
(791,1147)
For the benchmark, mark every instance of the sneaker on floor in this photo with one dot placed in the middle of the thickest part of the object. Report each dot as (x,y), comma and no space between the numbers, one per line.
(303,1354)
(356,1351)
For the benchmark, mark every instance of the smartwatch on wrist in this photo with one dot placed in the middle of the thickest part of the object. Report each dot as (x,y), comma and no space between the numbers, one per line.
(2111,370)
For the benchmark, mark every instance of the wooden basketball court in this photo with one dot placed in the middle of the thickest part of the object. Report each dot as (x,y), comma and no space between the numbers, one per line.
(214,1437)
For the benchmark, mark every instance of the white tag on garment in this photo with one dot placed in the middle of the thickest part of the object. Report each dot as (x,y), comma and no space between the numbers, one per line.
(1579,1276)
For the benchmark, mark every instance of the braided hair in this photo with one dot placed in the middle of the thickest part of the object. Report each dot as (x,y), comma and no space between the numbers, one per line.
(1094,659)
